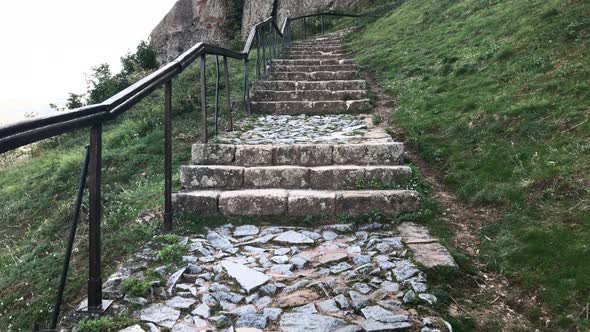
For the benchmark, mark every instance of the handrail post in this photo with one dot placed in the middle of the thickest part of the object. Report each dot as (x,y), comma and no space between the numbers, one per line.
(94,245)
(230,122)
(73,228)
(203,99)
(168,157)
(304,28)
(263,53)
(258,54)
(322,19)
(246,88)
(216,114)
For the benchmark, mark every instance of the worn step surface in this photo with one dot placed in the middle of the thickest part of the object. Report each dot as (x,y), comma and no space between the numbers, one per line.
(279,202)
(308,155)
(319,95)
(297,68)
(334,177)
(314,76)
(312,107)
(335,85)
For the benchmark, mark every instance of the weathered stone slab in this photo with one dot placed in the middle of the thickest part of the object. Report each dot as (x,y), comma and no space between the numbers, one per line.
(426,249)
(375,326)
(293,237)
(379,314)
(203,177)
(312,203)
(248,278)
(213,154)
(368,154)
(254,155)
(297,298)
(315,154)
(285,177)
(336,177)
(204,202)
(160,314)
(255,202)
(387,174)
(300,322)
(389,202)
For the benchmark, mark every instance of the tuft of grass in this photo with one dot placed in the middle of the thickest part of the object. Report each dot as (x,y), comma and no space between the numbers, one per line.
(105,324)
(171,253)
(497,95)
(136,287)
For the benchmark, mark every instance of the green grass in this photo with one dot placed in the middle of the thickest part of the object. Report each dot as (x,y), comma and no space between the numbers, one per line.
(37,196)
(497,95)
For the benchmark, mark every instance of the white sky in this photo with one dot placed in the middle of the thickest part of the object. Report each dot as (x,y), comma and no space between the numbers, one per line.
(48,46)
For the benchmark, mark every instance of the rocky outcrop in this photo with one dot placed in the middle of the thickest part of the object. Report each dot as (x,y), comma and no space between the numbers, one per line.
(189,22)
(215,21)
(257,10)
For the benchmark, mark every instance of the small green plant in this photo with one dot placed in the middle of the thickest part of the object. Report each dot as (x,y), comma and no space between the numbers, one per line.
(105,324)
(136,287)
(377,119)
(171,253)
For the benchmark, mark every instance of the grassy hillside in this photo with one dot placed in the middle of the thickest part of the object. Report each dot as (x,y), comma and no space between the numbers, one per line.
(37,197)
(496,93)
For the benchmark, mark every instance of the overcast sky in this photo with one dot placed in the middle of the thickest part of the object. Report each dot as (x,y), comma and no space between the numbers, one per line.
(48,46)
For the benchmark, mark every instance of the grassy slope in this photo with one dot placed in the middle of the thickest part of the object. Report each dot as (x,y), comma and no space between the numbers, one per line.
(496,93)
(38,196)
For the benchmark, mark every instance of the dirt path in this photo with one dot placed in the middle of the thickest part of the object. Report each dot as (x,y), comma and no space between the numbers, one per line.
(489,296)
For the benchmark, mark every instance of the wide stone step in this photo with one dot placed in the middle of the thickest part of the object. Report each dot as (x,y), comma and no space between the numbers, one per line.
(311,107)
(312,62)
(310,85)
(312,68)
(281,202)
(315,76)
(319,95)
(334,177)
(337,40)
(308,155)
(315,53)
(326,56)
(316,48)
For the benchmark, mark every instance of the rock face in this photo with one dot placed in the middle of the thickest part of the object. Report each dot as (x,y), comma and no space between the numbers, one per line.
(258,10)
(192,21)
(189,22)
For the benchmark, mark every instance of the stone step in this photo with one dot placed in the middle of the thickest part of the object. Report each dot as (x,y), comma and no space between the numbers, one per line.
(311,107)
(316,48)
(309,155)
(316,53)
(318,95)
(334,177)
(281,202)
(310,85)
(315,76)
(312,62)
(323,40)
(314,57)
(312,68)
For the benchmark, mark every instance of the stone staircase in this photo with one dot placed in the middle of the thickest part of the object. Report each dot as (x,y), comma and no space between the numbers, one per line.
(314,77)
(300,179)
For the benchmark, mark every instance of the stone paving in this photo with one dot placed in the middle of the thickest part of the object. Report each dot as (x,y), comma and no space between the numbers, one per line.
(249,278)
(305,129)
